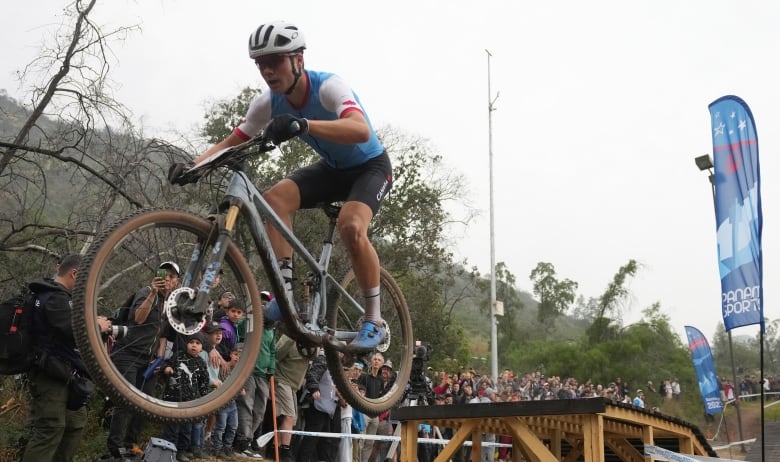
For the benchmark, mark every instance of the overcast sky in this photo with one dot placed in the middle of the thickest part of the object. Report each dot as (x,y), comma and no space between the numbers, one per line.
(601,108)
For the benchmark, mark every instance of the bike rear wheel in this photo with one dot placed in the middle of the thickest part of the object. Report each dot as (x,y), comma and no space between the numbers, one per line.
(124,259)
(398,346)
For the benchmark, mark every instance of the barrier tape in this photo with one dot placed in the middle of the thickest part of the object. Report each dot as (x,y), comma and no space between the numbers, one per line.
(664,454)
(736,443)
(265,438)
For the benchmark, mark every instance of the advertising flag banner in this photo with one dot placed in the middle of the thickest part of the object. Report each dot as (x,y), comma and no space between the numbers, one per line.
(736,183)
(704,364)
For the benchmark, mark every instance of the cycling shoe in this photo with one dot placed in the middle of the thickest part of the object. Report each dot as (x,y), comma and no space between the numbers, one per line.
(368,338)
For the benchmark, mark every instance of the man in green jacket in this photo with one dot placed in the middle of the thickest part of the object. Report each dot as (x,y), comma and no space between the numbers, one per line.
(251,406)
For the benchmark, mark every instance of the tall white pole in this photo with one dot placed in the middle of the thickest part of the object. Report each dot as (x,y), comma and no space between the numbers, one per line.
(493,320)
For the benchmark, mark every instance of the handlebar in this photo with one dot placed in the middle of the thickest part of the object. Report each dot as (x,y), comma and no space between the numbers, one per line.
(231,157)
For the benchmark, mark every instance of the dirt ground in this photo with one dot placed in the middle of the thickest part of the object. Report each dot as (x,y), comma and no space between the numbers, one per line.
(729,431)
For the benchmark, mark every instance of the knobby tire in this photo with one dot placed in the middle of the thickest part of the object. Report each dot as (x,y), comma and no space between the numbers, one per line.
(108,272)
(401,345)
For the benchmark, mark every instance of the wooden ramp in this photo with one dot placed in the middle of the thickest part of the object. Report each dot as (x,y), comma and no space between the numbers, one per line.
(589,430)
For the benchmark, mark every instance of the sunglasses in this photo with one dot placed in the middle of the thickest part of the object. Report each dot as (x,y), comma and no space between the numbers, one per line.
(272,61)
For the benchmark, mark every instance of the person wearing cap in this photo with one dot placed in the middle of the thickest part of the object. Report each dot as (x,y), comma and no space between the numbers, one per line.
(221,305)
(187,379)
(639,399)
(212,331)
(134,353)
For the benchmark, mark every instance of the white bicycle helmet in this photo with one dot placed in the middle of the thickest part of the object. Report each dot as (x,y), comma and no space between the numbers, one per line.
(275,37)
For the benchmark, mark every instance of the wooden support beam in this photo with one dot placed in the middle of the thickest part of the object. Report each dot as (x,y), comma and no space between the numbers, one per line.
(409,436)
(576,451)
(448,452)
(555,443)
(686,445)
(593,438)
(648,438)
(624,450)
(535,448)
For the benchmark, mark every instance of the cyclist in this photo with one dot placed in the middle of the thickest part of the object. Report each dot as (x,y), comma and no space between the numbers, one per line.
(323,111)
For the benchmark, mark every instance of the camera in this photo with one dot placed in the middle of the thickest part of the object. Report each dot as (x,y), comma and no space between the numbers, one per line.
(422,350)
(118,332)
(418,388)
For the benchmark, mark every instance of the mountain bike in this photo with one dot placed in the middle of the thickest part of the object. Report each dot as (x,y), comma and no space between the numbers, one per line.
(324,314)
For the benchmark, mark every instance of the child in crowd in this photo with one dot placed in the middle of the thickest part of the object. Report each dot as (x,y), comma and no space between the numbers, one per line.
(227,419)
(188,379)
(229,323)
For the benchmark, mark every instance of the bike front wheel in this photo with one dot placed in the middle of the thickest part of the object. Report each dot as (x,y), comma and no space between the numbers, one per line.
(122,261)
(396,347)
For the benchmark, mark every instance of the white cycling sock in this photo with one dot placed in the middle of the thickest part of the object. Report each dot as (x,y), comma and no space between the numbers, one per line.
(286,269)
(371,297)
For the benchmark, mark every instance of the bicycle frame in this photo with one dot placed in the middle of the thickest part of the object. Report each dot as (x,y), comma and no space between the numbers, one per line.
(243,199)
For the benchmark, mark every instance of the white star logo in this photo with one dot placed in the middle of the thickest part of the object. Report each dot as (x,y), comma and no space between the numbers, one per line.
(733,114)
(742,124)
(719,129)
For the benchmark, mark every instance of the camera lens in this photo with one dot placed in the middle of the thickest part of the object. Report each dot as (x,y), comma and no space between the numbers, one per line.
(118,331)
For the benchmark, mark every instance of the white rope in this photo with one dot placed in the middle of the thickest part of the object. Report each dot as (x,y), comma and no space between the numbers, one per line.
(266,438)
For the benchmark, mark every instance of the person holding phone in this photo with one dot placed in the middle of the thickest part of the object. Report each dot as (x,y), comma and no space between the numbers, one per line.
(133,354)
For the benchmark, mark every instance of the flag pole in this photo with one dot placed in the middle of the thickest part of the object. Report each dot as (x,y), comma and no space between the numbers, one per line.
(493,319)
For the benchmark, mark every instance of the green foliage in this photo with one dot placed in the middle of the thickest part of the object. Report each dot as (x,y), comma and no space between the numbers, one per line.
(225,115)
(745,354)
(607,307)
(554,295)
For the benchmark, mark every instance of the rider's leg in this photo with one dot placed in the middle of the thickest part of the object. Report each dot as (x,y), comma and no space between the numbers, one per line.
(353,228)
(284,198)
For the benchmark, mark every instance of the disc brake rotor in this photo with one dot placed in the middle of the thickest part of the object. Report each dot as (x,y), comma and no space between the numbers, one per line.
(182,321)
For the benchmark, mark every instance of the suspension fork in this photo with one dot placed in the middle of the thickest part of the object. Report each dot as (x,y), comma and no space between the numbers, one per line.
(224,232)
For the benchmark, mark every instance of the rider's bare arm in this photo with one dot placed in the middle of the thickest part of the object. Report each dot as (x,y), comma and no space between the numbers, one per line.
(231,140)
(352,128)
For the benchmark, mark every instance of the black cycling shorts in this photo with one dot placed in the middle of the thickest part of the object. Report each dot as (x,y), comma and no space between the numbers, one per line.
(367,183)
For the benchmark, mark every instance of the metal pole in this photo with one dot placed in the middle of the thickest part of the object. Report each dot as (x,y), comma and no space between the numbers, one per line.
(737,404)
(493,320)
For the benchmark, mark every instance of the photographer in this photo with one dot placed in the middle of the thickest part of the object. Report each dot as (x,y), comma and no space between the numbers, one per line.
(135,352)
(59,383)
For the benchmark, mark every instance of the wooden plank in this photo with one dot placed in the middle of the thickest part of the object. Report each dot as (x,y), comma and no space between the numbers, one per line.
(510,409)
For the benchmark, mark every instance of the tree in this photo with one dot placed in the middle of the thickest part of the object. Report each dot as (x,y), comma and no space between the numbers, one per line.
(608,307)
(554,295)
(72,160)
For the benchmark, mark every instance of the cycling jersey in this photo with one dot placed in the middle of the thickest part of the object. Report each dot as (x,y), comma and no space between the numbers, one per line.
(328,97)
